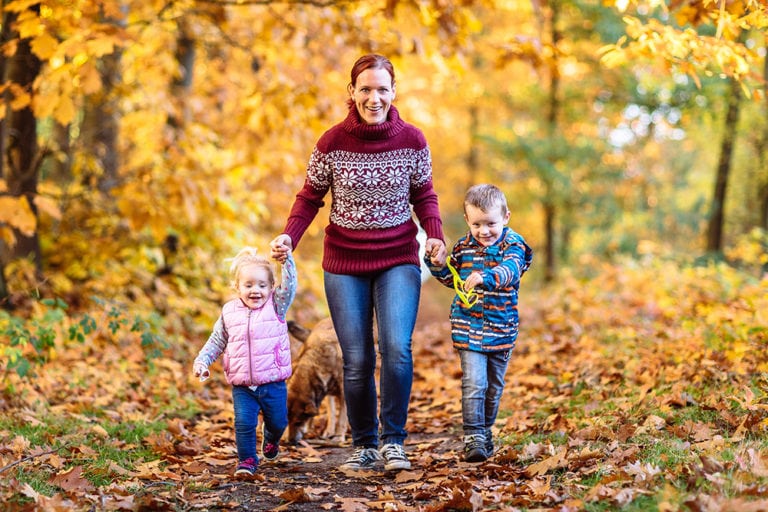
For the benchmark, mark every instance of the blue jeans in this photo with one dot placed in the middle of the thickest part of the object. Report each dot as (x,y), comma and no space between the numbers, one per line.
(272,400)
(394,295)
(482,384)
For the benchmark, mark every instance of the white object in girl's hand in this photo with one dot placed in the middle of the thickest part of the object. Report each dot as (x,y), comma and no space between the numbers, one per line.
(204,375)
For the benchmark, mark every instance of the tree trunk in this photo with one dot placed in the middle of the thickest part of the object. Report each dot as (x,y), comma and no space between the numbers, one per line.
(717,216)
(550,205)
(101,124)
(473,153)
(763,150)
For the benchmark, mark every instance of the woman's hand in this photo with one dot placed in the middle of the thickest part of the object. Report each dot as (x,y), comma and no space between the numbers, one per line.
(435,249)
(281,246)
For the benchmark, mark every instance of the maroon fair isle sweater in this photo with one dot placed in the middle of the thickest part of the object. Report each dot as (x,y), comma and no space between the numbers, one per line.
(375,173)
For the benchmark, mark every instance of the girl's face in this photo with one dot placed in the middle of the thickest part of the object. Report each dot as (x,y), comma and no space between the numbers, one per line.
(486,227)
(254,285)
(372,94)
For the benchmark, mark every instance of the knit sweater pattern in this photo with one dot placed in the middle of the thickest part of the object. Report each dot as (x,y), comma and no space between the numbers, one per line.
(375,174)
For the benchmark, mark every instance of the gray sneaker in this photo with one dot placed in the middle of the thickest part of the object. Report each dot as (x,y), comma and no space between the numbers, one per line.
(362,458)
(489,446)
(474,448)
(394,457)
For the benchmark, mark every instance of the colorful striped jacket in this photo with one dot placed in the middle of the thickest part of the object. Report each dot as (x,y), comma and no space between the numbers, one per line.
(491,324)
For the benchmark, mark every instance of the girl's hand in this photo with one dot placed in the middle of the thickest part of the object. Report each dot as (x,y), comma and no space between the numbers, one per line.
(280,247)
(200,370)
(435,249)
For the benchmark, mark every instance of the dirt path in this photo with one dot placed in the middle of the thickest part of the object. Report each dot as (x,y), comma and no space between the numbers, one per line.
(307,478)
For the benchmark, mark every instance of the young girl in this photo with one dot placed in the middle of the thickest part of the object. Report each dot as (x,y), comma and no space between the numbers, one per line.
(252,334)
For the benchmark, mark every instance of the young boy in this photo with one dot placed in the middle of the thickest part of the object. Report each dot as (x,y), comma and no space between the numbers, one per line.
(489,262)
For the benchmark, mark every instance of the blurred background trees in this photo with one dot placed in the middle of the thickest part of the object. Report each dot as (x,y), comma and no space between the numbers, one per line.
(143,142)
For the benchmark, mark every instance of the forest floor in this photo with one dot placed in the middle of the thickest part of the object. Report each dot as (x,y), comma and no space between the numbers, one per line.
(307,477)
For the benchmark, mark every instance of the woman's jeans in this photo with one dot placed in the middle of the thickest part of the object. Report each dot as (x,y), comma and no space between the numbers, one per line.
(482,383)
(272,400)
(394,295)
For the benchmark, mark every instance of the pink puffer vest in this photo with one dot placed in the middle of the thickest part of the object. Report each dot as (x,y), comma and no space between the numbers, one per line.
(258,349)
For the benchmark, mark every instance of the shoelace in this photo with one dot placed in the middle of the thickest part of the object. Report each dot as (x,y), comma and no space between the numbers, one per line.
(469,298)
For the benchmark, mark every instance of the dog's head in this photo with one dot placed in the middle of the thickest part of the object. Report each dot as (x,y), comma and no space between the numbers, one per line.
(299,414)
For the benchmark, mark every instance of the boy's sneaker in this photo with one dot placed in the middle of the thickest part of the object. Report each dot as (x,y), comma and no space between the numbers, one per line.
(474,448)
(489,447)
(362,458)
(394,457)
(247,467)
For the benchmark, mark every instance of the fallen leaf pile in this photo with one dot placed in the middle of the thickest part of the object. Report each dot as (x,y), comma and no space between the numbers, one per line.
(643,384)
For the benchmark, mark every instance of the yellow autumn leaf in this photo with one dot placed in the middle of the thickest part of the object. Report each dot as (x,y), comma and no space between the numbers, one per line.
(20,5)
(47,205)
(15,212)
(90,78)
(21,99)
(44,46)
(101,46)
(65,111)
(7,236)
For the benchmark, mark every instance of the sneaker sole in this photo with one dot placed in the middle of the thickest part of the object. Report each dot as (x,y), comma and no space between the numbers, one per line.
(400,464)
(476,457)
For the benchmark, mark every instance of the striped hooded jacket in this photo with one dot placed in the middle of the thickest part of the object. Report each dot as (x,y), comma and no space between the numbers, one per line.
(491,324)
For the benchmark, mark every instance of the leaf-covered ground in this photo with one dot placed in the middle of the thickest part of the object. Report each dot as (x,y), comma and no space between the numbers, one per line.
(639,387)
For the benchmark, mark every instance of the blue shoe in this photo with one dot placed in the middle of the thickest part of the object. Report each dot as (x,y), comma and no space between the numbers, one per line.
(247,467)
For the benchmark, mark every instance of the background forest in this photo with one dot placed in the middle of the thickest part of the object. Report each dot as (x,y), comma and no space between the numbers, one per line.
(143,142)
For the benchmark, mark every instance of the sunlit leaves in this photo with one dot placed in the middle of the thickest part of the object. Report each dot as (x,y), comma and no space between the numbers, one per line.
(15,212)
(684,49)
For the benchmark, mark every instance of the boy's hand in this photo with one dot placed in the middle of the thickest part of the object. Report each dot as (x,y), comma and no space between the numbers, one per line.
(473,280)
(281,246)
(435,249)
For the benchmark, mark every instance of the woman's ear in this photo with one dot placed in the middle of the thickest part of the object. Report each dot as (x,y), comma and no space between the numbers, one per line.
(351,90)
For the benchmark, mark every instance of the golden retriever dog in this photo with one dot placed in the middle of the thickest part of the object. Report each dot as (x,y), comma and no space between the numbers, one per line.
(317,374)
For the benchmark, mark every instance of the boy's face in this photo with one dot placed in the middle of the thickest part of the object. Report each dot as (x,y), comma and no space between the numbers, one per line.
(486,227)
(254,285)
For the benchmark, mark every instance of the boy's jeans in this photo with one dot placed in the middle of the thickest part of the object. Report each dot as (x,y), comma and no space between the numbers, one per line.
(394,294)
(482,384)
(272,400)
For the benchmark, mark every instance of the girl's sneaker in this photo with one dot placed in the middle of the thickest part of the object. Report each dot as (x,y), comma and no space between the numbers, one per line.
(247,467)
(270,450)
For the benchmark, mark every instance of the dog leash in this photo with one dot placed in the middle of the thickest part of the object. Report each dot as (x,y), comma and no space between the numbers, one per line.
(469,298)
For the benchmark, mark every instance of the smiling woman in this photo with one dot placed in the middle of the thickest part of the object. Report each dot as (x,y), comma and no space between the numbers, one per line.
(376,167)
(372,93)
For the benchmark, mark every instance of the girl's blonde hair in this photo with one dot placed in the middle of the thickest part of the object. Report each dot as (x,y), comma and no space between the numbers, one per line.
(249,256)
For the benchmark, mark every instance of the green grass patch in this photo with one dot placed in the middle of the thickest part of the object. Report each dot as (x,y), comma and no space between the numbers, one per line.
(75,440)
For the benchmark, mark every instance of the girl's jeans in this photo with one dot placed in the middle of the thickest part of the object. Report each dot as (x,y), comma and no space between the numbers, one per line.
(394,295)
(482,384)
(272,400)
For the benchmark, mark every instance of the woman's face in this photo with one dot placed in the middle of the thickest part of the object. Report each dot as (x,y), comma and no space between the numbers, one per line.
(373,94)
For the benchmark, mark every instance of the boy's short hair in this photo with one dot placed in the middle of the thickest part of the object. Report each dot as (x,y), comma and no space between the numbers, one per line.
(485,197)
(249,256)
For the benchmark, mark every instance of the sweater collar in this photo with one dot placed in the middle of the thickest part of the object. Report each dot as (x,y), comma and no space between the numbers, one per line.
(389,128)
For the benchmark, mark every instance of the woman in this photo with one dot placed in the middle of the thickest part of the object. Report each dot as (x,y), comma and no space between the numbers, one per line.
(376,166)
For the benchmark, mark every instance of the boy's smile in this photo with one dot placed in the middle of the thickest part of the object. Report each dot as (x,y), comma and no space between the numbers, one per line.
(485,227)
